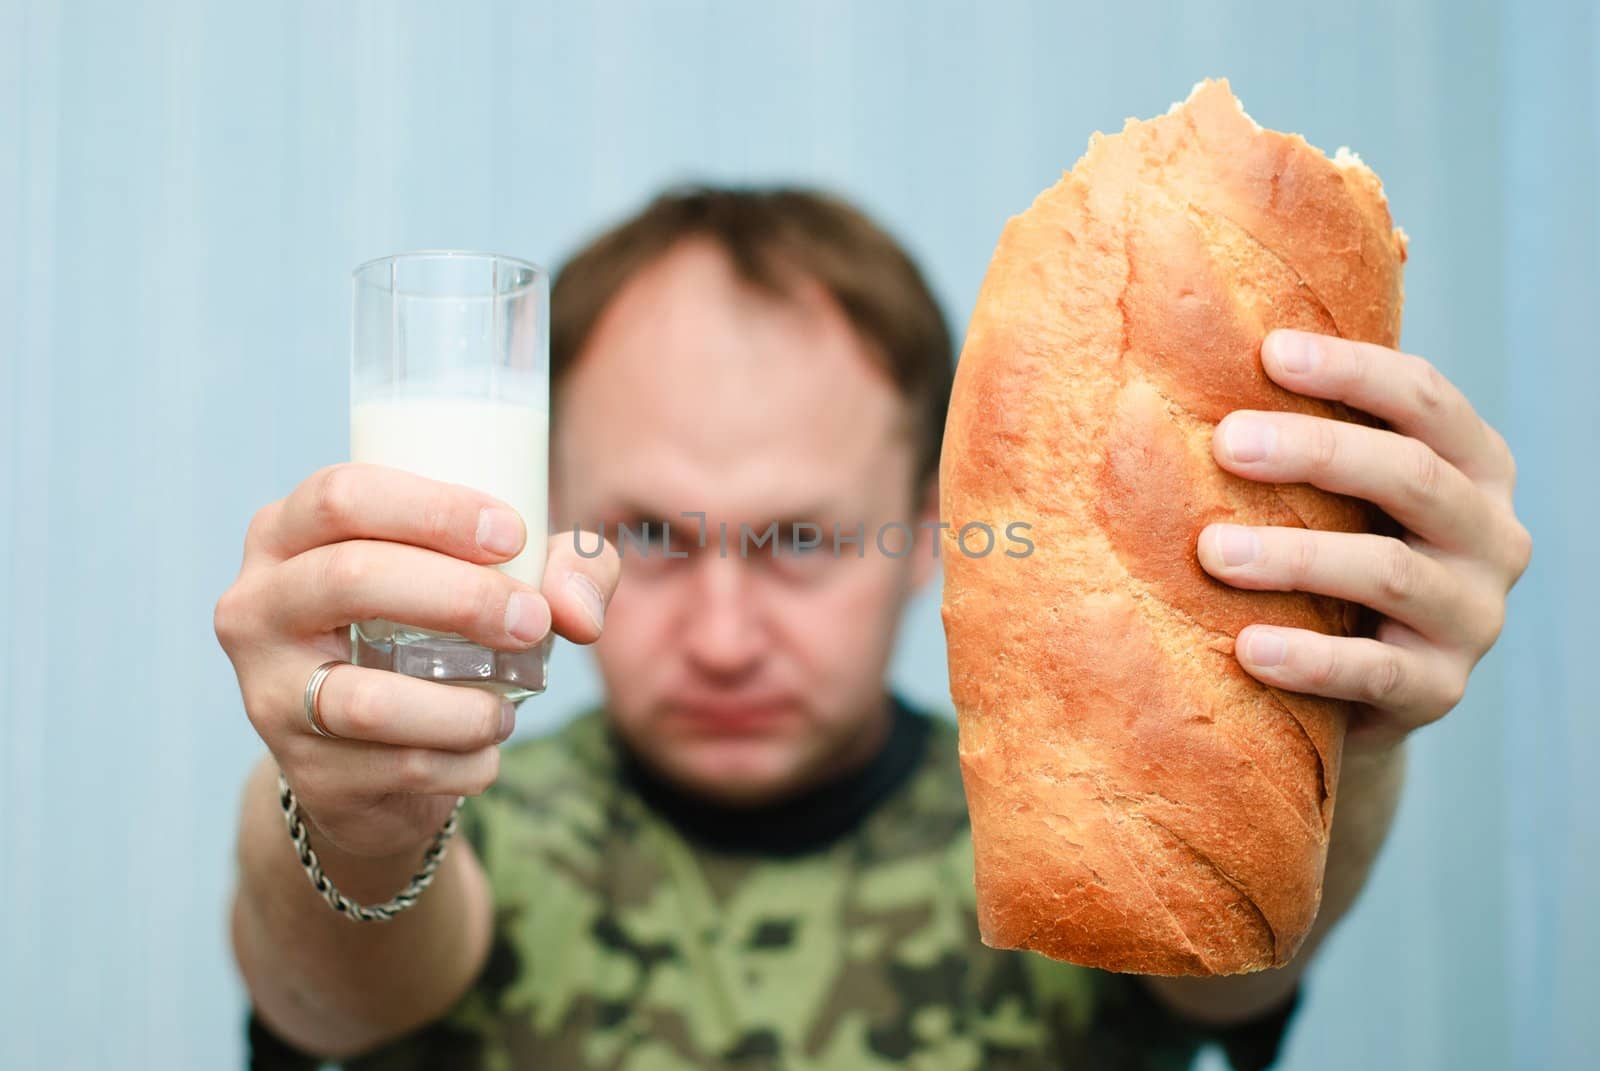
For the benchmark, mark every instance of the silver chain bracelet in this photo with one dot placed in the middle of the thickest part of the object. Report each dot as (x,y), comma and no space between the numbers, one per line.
(337,900)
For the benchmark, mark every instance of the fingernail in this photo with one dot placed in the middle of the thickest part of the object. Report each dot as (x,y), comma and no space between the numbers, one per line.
(588,595)
(1266,648)
(1237,545)
(1250,440)
(508,718)
(524,619)
(1298,353)
(499,531)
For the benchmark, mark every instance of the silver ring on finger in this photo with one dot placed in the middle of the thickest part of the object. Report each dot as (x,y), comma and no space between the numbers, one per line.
(314,694)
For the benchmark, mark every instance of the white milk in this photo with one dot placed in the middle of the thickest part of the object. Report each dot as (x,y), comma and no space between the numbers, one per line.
(497,447)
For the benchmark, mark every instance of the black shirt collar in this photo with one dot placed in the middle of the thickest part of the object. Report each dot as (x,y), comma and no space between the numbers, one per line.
(810,821)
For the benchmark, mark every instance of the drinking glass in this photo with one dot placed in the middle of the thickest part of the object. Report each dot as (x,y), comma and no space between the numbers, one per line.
(449,379)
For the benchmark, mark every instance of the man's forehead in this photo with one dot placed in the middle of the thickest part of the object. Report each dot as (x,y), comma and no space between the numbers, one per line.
(662,482)
(686,382)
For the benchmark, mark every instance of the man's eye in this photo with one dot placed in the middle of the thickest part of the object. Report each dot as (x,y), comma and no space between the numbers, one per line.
(642,538)
(803,542)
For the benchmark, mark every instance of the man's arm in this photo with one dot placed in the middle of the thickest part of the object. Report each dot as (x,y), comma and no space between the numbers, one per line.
(1369,794)
(331,986)
(378,776)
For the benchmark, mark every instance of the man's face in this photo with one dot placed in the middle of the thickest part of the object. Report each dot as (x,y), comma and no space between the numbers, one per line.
(748,675)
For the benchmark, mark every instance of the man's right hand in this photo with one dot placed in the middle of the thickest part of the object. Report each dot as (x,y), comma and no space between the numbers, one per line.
(355,542)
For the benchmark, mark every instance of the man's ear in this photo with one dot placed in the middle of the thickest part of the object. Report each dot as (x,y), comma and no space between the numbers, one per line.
(928,542)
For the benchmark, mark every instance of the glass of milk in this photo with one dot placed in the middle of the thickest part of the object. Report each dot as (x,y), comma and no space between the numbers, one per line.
(449,378)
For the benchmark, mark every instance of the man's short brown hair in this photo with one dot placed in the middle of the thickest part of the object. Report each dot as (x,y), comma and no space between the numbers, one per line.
(770,234)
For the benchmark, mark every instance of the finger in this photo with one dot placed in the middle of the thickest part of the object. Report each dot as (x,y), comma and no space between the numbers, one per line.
(345,772)
(381,707)
(328,587)
(1402,476)
(358,501)
(1377,571)
(580,577)
(259,537)
(1404,390)
(1404,682)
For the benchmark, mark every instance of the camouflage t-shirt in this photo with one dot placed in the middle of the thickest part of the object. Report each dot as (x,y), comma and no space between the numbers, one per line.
(639,931)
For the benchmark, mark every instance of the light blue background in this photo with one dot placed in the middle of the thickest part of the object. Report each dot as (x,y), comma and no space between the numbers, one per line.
(184,187)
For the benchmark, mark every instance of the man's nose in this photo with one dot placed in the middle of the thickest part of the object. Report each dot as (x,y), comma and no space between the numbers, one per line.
(725,631)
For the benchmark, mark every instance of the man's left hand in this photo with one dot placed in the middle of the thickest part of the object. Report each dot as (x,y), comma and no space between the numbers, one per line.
(1441,473)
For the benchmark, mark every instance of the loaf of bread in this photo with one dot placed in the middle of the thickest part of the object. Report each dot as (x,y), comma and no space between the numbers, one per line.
(1139,802)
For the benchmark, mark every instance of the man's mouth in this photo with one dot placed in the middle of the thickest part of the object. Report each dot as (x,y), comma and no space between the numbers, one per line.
(727,715)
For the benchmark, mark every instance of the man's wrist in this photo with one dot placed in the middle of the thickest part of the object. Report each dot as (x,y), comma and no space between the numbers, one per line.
(272,876)
(1373,743)
(363,878)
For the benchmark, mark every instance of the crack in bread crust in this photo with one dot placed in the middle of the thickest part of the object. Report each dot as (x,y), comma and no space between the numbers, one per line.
(1104,797)
(1221,217)
(1145,597)
(1244,897)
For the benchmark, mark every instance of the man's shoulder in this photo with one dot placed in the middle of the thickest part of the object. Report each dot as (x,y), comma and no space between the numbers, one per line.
(927,816)
(942,759)
(577,748)
(560,779)
(936,787)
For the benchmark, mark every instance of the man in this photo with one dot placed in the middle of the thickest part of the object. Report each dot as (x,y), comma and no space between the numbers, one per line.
(754,855)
